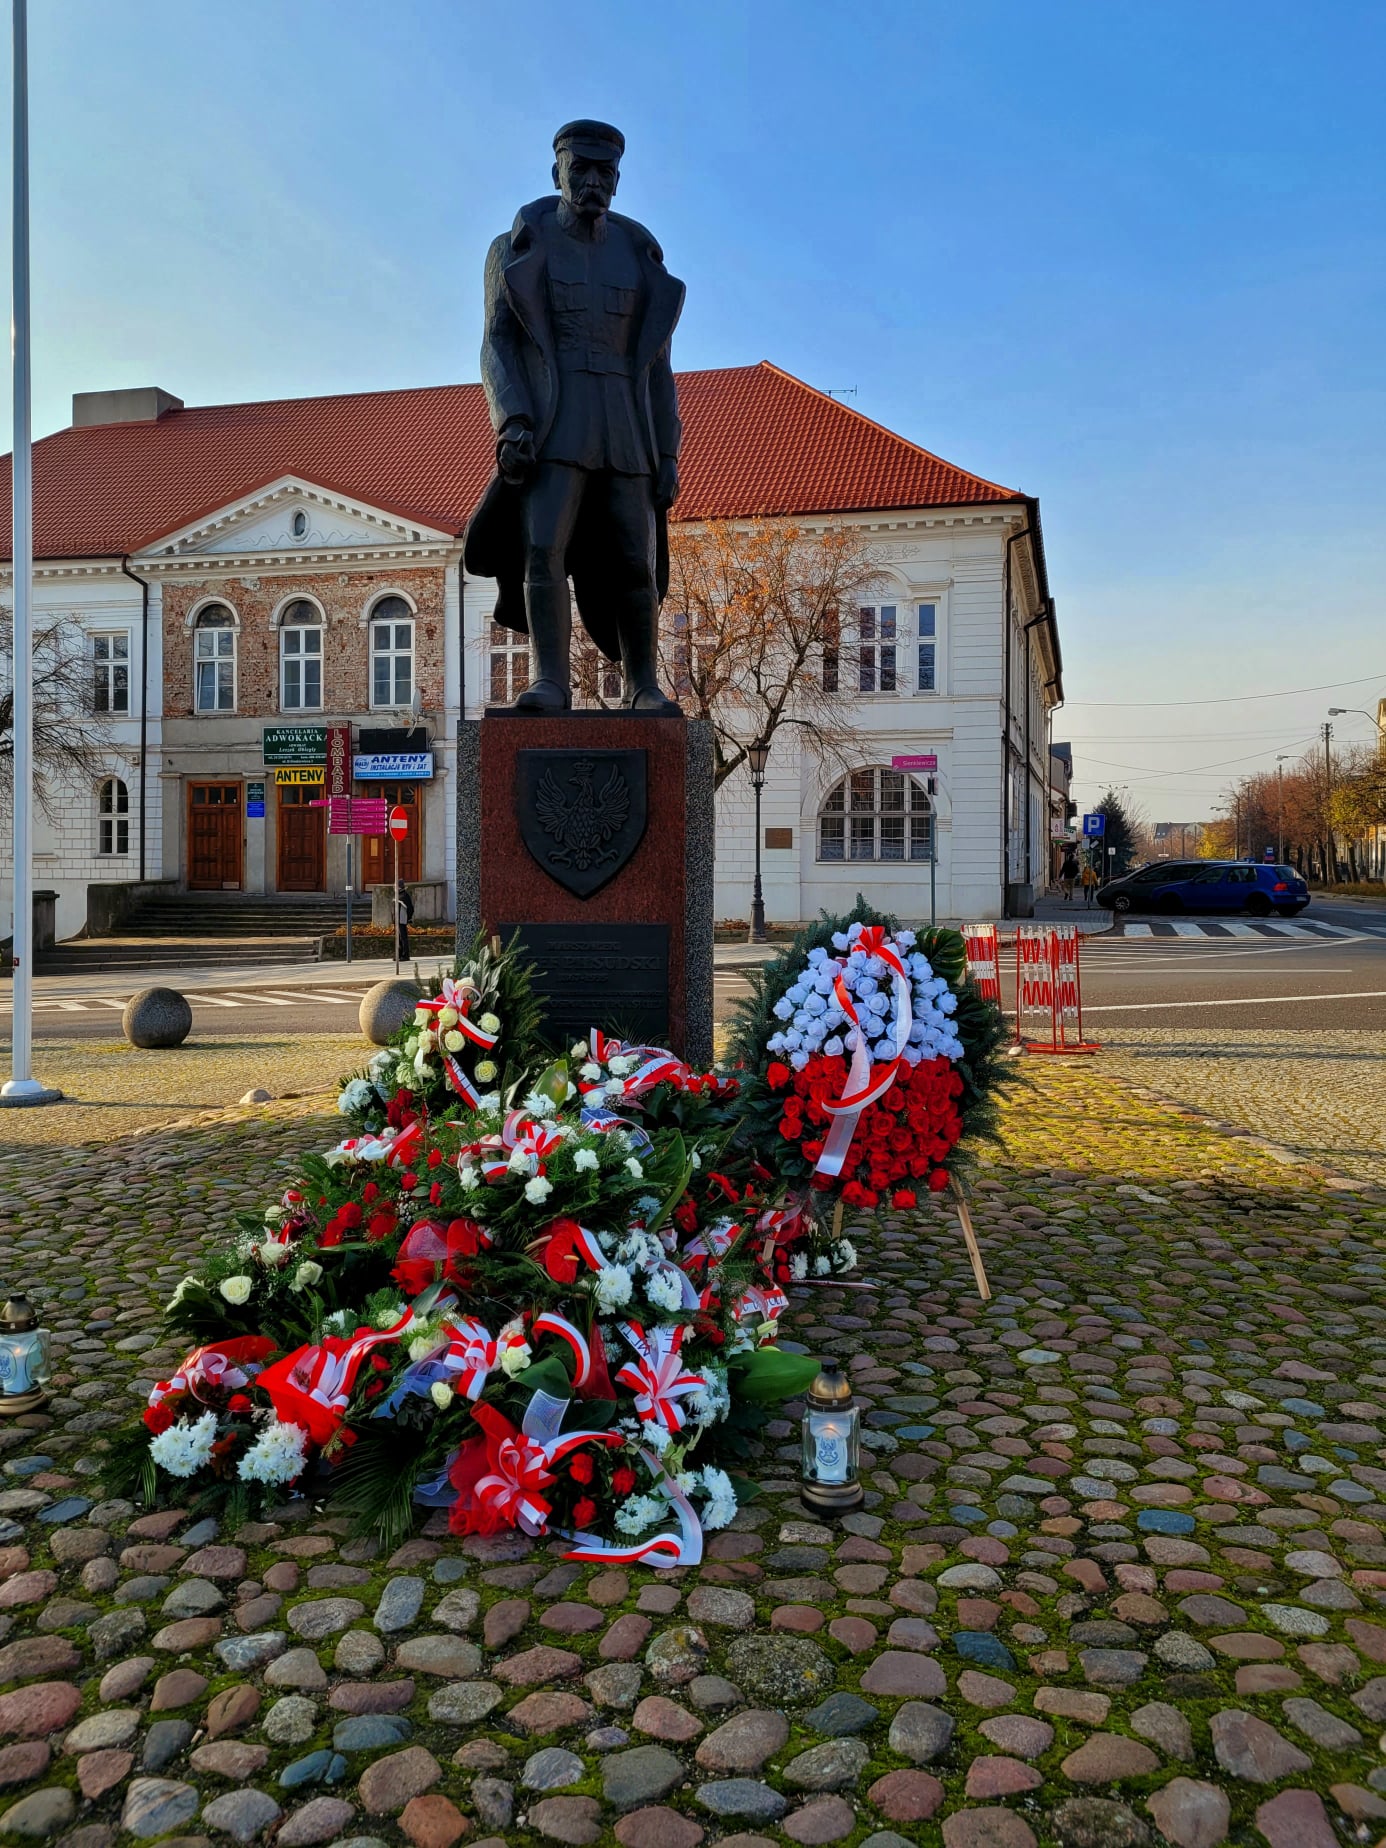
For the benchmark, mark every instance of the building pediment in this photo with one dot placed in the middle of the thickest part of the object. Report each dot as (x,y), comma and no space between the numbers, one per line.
(293,519)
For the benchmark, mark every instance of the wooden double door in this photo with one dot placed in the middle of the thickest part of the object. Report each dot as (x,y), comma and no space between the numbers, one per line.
(302,839)
(215,833)
(378,850)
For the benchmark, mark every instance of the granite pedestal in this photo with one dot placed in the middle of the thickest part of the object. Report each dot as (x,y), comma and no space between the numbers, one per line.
(592,835)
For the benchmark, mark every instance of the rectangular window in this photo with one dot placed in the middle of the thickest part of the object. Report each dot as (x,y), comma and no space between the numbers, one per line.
(877,635)
(215,662)
(392,663)
(301,689)
(928,631)
(110,658)
(832,827)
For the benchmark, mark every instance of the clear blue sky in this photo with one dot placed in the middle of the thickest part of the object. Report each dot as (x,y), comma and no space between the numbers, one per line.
(1129,259)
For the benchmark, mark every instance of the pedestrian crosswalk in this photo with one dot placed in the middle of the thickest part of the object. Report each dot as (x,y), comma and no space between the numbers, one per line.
(1234,927)
(219,998)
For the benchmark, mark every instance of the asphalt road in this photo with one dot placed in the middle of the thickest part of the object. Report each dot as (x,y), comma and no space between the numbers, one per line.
(1328,969)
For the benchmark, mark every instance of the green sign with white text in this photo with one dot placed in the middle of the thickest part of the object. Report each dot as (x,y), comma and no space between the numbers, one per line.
(288,745)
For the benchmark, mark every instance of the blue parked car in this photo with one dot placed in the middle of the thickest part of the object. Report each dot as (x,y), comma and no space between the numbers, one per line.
(1208,885)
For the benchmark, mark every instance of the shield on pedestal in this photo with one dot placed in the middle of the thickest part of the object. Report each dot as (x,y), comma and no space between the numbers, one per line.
(581,814)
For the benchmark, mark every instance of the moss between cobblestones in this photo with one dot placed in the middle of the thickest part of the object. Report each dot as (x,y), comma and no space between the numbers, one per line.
(1115,1199)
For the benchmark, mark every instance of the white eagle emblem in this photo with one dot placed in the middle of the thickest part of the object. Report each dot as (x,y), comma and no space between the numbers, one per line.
(581,821)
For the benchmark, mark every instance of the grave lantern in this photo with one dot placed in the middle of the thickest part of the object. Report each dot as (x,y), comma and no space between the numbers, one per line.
(24,1358)
(832,1444)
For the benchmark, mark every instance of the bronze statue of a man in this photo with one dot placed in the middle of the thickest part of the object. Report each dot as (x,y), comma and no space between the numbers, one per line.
(580,311)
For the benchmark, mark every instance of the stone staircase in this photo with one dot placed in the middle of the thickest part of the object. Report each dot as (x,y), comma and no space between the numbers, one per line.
(213,930)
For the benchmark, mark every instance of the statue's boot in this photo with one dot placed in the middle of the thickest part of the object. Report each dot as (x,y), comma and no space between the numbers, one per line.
(550,632)
(642,688)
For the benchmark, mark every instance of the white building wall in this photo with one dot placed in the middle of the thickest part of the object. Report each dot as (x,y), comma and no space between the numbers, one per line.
(954,559)
(65,842)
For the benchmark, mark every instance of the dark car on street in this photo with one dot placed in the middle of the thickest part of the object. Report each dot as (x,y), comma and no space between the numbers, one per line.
(1171,886)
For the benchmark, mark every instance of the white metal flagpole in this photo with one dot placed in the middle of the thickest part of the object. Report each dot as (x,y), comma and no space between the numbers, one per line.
(22,1087)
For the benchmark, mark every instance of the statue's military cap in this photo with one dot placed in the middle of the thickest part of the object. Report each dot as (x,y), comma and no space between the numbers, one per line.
(592,140)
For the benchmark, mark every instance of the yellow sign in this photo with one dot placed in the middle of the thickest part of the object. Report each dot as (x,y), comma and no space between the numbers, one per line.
(312,775)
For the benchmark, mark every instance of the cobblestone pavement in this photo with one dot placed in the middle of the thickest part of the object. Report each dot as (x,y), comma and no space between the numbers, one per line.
(112,1089)
(1120,1576)
(1320,1095)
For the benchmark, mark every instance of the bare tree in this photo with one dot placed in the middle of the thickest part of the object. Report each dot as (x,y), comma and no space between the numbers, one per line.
(760,632)
(71,737)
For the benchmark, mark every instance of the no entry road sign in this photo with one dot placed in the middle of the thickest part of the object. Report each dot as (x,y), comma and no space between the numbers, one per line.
(399,822)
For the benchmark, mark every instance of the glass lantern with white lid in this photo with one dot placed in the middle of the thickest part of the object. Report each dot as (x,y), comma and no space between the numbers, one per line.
(24,1358)
(832,1444)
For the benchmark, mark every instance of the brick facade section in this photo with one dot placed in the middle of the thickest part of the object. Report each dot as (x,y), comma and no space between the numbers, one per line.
(343,596)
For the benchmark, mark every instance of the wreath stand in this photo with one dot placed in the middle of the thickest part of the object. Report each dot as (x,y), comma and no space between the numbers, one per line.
(955,1187)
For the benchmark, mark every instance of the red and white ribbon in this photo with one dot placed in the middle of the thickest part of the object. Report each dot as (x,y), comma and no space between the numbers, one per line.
(654,1064)
(685,1548)
(520,1134)
(520,1469)
(461,1001)
(867,1080)
(551,1323)
(658,1378)
(312,1386)
(764,1303)
(398,1147)
(224,1368)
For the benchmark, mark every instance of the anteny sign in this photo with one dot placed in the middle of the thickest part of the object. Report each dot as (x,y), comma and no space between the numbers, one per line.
(581,814)
(295,776)
(295,744)
(392,766)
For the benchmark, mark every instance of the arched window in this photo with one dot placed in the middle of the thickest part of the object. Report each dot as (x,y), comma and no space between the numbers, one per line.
(392,653)
(112,816)
(214,660)
(876,815)
(300,657)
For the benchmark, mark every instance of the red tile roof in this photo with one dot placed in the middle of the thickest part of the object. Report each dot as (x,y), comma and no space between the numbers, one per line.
(757,441)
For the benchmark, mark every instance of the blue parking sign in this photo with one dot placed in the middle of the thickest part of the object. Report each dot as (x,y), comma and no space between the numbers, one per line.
(1094,827)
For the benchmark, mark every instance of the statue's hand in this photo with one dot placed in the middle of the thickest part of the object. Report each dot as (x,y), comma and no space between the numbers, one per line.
(515,456)
(666,482)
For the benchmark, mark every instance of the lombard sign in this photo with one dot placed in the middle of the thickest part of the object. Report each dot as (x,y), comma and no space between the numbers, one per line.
(392,766)
(289,745)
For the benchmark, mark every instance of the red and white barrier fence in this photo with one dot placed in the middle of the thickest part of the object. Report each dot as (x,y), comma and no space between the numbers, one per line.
(1048,990)
(984,959)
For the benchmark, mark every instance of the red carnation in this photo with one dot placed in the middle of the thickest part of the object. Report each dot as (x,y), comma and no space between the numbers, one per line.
(622,1480)
(350,1214)
(379,1362)
(938,1180)
(332,1234)
(238,1402)
(381,1226)
(435,1157)
(369,1191)
(159,1417)
(580,1469)
(904,1198)
(585,1511)
(435,1193)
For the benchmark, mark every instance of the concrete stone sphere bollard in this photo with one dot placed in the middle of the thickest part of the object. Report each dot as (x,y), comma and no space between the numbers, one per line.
(157,1017)
(386,1007)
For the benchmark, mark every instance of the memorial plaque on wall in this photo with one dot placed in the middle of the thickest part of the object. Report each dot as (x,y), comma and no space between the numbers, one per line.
(615,976)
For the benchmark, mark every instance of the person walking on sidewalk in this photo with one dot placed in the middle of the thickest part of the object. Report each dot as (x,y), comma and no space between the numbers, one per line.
(1089,881)
(1068,873)
(404,913)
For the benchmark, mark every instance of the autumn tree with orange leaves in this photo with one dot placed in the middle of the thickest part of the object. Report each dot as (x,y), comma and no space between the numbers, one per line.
(758,633)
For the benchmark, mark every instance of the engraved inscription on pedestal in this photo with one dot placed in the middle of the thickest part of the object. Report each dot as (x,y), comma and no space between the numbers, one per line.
(615,976)
(581,814)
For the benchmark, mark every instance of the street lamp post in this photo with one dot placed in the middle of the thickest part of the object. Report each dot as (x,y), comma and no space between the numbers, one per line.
(757,755)
(1280,806)
(22,1087)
